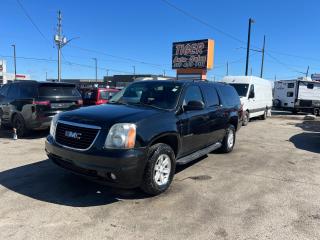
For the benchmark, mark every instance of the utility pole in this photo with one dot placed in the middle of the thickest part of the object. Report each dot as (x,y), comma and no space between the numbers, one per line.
(164,72)
(134,71)
(107,72)
(14,61)
(248,45)
(60,41)
(46,76)
(96,68)
(227,68)
(307,73)
(251,71)
(263,49)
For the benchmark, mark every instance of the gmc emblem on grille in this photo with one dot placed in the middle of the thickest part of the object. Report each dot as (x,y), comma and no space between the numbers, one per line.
(73,135)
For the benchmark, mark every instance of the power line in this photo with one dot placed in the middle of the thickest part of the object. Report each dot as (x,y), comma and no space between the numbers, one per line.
(119,57)
(229,35)
(67,63)
(31,20)
(283,64)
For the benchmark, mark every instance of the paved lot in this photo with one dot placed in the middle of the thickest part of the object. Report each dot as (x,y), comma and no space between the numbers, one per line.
(268,188)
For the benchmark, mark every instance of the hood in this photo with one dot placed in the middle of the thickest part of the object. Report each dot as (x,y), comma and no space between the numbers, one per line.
(108,114)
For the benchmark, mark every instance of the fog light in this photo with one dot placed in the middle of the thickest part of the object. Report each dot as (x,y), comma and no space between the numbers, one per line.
(113,176)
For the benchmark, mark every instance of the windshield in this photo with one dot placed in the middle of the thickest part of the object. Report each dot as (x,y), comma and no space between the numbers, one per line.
(241,88)
(163,95)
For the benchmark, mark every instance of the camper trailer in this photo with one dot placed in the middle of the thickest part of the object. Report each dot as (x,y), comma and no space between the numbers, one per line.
(297,95)
(255,95)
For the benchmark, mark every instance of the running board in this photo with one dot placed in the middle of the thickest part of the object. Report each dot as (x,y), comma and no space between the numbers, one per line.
(198,154)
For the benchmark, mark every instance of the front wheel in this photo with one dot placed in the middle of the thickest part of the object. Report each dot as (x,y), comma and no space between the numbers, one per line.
(160,169)
(228,140)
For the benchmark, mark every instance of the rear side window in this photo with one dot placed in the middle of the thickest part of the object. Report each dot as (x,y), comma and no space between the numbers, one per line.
(290,85)
(14,91)
(90,95)
(211,95)
(289,94)
(310,85)
(193,93)
(28,91)
(58,90)
(229,96)
(4,90)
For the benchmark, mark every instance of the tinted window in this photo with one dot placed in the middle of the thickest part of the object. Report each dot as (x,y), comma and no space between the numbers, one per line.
(289,94)
(242,89)
(160,94)
(211,95)
(4,90)
(14,91)
(90,95)
(310,86)
(56,90)
(28,91)
(290,85)
(105,95)
(193,93)
(229,95)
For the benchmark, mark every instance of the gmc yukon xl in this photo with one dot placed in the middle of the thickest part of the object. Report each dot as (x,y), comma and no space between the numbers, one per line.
(145,131)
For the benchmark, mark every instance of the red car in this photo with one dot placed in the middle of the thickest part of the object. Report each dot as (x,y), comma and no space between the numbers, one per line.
(97,96)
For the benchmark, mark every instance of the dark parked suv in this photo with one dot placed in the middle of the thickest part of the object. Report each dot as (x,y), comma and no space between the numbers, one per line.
(27,105)
(145,131)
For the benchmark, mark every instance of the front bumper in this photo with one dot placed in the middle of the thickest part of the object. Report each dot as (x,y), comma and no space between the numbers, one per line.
(97,165)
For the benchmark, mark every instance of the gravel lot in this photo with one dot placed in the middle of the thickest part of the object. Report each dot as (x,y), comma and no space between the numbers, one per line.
(268,188)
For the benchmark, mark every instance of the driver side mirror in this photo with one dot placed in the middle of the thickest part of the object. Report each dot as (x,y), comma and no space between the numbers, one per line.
(194,105)
(251,94)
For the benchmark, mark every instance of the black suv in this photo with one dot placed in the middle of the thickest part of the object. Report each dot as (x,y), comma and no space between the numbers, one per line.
(28,105)
(146,129)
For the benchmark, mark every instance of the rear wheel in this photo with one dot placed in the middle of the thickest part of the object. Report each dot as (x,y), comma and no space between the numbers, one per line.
(19,124)
(160,169)
(245,118)
(228,140)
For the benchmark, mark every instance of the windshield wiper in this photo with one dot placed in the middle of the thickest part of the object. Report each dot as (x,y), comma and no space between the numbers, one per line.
(145,105)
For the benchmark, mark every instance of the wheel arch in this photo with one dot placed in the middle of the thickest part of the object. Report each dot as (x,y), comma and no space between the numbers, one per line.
(171,139)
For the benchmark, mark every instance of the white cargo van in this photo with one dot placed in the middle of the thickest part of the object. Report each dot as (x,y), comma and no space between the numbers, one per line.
(255,95)
(297,95)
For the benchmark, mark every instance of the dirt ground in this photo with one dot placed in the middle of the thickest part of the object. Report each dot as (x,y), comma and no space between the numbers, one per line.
(267,188)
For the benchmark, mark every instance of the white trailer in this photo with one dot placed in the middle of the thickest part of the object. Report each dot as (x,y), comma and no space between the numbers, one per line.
(255,95)
(297,95)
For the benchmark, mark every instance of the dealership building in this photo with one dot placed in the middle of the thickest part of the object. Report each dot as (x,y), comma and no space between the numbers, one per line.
(6,77)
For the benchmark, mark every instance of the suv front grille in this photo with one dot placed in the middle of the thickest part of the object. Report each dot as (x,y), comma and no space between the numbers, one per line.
(76,136)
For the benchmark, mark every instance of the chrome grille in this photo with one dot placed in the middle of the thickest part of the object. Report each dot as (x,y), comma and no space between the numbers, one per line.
(76,136)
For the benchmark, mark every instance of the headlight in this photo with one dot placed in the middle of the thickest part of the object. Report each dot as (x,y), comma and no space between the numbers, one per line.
(121,135)
(53,125)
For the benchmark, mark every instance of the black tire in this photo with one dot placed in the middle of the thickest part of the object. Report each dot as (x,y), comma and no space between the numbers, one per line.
(149,185)
(226,147)
(246,119)
(19,124)
(294,111)
(265,115)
